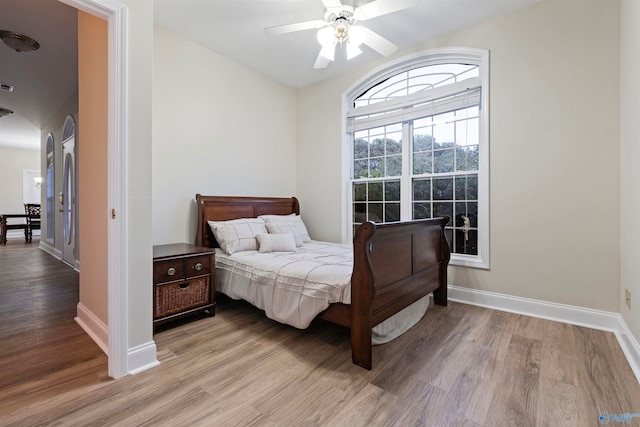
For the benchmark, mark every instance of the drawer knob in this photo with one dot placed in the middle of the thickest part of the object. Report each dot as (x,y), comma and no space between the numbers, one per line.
(171,271)
(198,267)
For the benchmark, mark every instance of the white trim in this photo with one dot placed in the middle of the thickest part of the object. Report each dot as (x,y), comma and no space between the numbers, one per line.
(590,318)
(116,14)
(50,249)
(93,326)
(142,357)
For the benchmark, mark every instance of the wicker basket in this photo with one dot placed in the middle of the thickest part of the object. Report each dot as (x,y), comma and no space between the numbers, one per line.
(177,297)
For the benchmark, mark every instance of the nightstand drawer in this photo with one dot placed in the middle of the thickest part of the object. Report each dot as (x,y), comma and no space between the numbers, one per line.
(168,271)
(197,266)
(177,297)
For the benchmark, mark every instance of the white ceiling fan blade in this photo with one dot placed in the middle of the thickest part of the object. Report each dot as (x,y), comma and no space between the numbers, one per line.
(378,43)
(382,7)
(331,4)
(289,28)
(325,56)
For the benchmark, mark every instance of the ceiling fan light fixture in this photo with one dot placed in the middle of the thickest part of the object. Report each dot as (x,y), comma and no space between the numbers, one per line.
(5,112)
(18,42)
(326,37)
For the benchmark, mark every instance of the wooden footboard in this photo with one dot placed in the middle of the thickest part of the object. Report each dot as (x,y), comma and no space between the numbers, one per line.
(394,266)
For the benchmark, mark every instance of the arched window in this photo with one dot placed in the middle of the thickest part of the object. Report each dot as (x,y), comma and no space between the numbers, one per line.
(50,190)
(69,128)
(418,147)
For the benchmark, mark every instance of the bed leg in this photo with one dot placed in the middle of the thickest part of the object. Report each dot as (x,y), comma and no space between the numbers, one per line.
(361,351)
(440,296)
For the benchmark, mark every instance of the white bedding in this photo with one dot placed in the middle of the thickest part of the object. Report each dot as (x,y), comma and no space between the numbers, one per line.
(294,287)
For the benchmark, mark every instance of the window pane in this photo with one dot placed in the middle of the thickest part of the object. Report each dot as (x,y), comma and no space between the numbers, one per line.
(394,166)
(466,242)
(421,189)
(467,187)
(421,210)
(467,158)
(443,161)
(467,132)
(374,212)
(360,149)
(359,192)
(375,191)
(422,140)
(442,209)
(422,163)
(359,212)
(377,147)
(394,146)
(443,189)
(392,191)
(468,210)
(392,212)
(361,169)
(376,168)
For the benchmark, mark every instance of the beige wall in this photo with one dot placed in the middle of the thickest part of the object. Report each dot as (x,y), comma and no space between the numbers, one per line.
(554,152)
(13,161)
(138,153)
(218,129)
(92,168)
(629,161)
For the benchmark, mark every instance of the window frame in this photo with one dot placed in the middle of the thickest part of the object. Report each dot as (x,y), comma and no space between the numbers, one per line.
(475,56)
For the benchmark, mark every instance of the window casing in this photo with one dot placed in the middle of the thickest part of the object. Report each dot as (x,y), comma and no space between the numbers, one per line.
(417,147)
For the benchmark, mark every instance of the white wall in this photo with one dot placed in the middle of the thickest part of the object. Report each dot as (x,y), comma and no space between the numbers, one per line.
(13,161)
(554,152)
(219,128)
(629,161)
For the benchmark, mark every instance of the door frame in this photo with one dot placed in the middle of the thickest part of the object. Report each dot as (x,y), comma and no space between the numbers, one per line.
(116,15)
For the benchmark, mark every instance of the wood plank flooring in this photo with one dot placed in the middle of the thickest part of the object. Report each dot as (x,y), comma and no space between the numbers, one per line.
(460,366)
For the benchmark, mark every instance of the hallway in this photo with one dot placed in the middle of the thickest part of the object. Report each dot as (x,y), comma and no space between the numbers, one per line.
(44,351)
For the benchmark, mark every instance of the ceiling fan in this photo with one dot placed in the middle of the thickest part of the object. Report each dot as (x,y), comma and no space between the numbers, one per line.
(338,26)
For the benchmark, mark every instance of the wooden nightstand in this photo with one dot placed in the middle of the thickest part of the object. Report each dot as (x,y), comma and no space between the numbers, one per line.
(183,281)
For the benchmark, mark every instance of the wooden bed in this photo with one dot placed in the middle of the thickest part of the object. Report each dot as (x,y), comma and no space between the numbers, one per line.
(394,264)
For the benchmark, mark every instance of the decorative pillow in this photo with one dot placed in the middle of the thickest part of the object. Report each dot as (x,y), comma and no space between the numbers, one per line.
(276,242)
(281,227)
(294,220)
(238,234)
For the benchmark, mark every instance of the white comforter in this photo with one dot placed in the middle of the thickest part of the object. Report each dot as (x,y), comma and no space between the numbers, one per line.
(291,287)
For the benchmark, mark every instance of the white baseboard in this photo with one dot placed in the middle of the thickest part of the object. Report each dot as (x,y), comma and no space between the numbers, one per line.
(50,249)
(94,327)
(141,358)
(594,319)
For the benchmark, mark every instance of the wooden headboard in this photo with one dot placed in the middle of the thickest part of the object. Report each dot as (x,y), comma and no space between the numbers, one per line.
(222,208)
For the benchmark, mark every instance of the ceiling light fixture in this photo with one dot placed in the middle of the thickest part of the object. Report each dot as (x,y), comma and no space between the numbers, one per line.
(18,42)
(5,112)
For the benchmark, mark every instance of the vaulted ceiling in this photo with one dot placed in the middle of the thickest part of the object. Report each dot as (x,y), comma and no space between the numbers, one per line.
(44,79)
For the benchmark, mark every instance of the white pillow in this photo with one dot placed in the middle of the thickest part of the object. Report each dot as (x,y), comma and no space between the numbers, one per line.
(293,220)
(276,242)
(238,234)
(281,227)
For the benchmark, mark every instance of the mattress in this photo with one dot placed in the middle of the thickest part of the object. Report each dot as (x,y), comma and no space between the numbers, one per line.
(294,287)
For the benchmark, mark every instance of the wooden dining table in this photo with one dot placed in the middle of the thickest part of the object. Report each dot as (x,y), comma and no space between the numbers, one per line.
(4,226)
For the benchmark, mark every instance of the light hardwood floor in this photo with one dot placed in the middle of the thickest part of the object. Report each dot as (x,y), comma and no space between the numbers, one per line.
(460,366)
